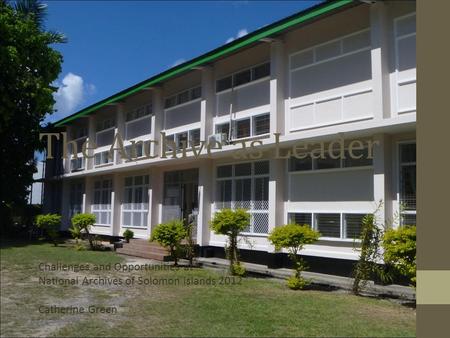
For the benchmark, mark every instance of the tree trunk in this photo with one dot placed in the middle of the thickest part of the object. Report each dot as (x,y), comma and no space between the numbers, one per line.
(91,244)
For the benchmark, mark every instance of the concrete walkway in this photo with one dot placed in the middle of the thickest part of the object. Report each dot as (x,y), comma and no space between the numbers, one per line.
(392,291)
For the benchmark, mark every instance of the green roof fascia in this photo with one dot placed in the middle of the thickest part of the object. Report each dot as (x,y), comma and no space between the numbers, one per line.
(257,35)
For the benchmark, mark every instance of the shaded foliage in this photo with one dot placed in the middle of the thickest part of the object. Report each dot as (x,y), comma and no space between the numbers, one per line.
(50,223)
(84,222)
(28,67)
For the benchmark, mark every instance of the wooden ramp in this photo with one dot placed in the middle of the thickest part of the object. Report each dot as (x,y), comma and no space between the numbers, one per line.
(143,248)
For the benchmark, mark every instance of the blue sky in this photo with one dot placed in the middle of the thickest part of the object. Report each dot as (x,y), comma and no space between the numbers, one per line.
(115,44)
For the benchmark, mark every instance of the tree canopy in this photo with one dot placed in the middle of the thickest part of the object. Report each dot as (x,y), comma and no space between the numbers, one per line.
(28,67)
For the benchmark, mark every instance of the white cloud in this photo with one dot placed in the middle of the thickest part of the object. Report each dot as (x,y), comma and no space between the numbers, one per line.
(72,91)
(242,32)
(178,62)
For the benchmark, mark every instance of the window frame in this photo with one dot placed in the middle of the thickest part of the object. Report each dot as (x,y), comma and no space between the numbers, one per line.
(102,155)
(78,168)
(399,178)
(233,204)
(140,143)
(101,190)
(233,74)
(314,168)
(76,191)
(102,132)
(340,55)
(397,38)
(174,137)
(145,186)
(342,222)
(190,91)
(252,128)
(141,118)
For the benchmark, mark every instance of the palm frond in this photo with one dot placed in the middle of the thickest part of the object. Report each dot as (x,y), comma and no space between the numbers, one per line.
(56,37)
(33,8)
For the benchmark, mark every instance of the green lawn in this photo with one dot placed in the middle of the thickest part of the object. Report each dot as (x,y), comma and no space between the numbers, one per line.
(251,307)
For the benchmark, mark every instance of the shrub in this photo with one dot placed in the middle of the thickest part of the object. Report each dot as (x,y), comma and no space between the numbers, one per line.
(237,269)
(368,266)
(75,231)
(296,283)
(170,235)
(51,224)
(189,247)
(84,222)
(128,234)
(400,250)
(293,237)
(230,223)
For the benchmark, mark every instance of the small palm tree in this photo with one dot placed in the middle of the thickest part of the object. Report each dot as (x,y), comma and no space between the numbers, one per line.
(37,11)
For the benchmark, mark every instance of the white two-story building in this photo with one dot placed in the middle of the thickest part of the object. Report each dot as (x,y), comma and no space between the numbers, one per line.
(341,72)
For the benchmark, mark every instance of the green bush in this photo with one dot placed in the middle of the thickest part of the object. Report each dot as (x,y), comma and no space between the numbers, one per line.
(400,250)
(297,283)
(230,223)
(189,247)
(368,266)
(170,235)
(51,223)
(237,269)
(84,223)
(293,237)
(75,231)
(128,234)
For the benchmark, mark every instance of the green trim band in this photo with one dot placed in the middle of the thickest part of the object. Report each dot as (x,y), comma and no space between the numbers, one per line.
(274,28)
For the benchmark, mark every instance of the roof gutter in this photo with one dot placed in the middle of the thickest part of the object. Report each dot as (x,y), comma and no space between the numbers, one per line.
(257,35)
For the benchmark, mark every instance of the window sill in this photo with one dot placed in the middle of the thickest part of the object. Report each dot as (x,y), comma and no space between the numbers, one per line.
(249,138)
(103,165)
(315,171)
(336,239)
(253,234)
(135,227)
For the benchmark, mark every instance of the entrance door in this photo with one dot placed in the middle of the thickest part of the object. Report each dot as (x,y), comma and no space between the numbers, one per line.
(180,194)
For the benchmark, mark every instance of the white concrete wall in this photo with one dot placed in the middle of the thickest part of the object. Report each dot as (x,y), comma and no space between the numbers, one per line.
(365,93)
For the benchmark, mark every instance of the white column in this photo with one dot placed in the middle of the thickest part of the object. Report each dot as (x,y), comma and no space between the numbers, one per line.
(156,184)
(116,200)
(91,138)
(86,198)
(88,192)
(66,161)
(207,103)
(205,190)
(382,177)
(120,129)
(157,119)
(65,203)
(276,194)
(379,30)
(277,71)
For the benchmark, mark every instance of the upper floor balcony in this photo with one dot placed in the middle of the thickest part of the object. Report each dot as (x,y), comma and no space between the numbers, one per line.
(354,67)
(182,117)
(242,103)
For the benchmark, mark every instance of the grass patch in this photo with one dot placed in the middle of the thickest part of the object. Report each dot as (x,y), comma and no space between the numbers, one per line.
(250,307)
